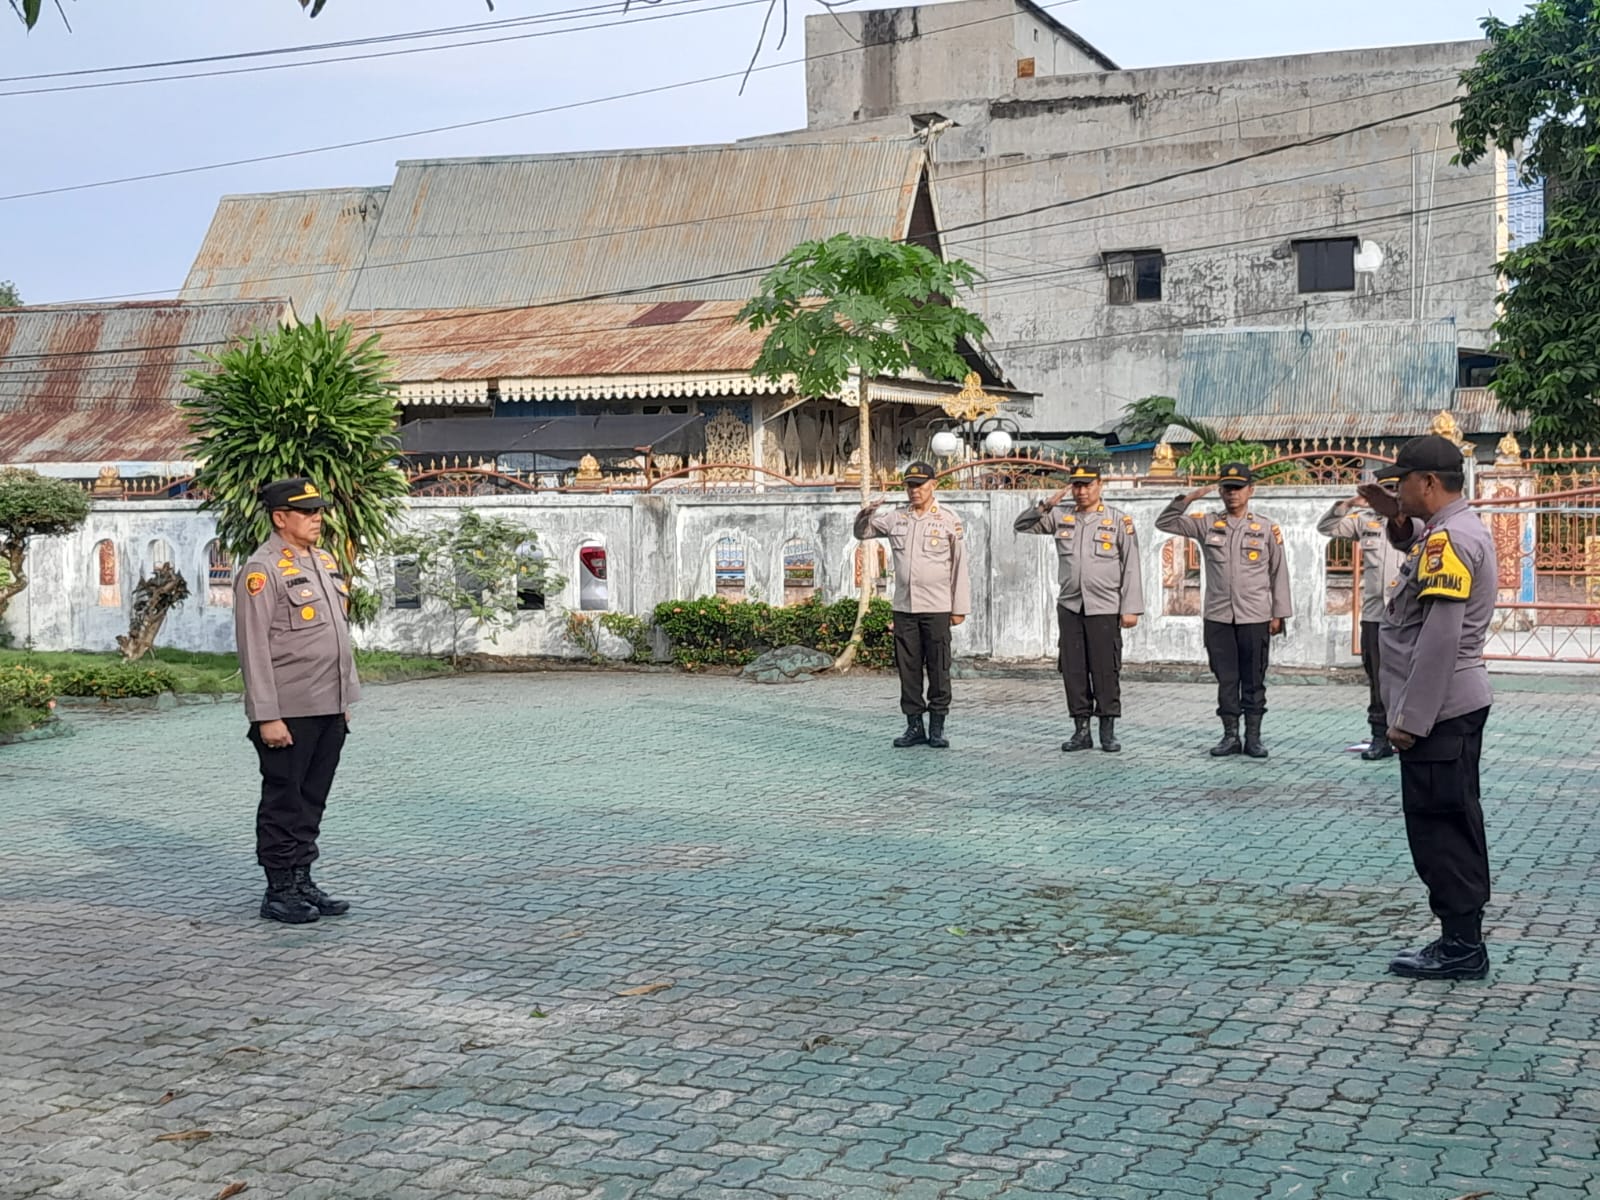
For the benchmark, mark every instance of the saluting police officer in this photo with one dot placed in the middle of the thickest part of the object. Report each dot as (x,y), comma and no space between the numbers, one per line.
(291,618)
(931,595)
(1380,570)
(1246,599)
(1102,593)
(1437,692)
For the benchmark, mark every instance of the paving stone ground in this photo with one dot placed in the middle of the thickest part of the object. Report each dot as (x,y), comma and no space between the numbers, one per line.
(992,971)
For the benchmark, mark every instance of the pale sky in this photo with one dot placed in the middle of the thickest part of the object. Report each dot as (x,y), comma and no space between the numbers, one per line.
(140,237)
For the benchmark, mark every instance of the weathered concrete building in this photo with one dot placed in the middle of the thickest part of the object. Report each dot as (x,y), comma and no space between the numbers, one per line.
(1112,210)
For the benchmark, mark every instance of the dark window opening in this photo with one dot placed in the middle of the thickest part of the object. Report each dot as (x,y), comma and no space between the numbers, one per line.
(1133,276)
(1327,264)
(407,584)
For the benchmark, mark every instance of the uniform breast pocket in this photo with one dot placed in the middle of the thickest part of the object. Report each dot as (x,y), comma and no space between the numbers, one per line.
(307,614)
(936,544)
(1105,549)
(1253,550)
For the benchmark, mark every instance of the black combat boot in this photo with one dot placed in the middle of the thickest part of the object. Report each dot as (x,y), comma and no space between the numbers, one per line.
(283,901)
(1447,958)
(1081,739)
(1108,735)
(316,897)
(936,737)
(915,734)
(1230,739)
(1252,737)
(1380,747)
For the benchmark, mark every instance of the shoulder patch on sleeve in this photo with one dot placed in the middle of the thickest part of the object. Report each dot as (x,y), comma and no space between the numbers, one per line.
(1127,524)
(1277,534)
(254,582)
(1442,573)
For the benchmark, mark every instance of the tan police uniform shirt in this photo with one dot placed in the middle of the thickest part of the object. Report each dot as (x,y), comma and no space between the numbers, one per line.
(1097,555)
(291,620)
(1380,559)
(1247,580)
(930,557)
(1431,667)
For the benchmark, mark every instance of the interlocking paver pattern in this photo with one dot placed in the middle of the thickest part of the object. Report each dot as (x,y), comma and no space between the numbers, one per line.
(993,971)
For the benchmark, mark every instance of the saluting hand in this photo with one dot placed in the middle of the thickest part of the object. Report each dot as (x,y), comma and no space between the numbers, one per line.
(1198,492)
(1379,499)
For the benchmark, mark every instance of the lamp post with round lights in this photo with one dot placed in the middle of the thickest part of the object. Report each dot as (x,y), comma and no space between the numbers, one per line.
(971,423)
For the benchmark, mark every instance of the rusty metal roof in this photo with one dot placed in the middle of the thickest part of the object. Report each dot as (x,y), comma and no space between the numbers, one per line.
(504,232)
(305,245)
(100,382)
(564,340)
(1372,380)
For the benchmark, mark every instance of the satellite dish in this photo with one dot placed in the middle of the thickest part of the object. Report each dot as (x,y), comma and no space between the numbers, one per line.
(1369,257)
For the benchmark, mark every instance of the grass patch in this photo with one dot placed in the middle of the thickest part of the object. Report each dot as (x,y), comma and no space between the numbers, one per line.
(202,674)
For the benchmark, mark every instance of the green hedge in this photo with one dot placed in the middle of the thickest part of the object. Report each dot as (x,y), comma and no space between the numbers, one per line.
(713,632)
(27,695)
(117,681)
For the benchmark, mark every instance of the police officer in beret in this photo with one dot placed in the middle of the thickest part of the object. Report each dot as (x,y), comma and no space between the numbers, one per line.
(1354,520)
(291,618)
(1246,599)
(1437,694)
(1102,593)
(932,594)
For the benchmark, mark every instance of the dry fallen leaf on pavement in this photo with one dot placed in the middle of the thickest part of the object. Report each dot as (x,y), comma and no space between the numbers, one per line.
(1474,1196)
(168,1098)
(233,1189)
(470,1045)
(646,989)
(188,1135)
(247,1050)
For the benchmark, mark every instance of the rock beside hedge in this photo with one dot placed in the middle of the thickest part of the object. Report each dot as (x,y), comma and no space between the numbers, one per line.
(787,664)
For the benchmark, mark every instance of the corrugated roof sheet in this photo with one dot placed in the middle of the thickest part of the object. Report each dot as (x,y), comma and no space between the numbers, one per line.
(305,245)
(1368,380)
(100,382)
(564,340)
(502,232)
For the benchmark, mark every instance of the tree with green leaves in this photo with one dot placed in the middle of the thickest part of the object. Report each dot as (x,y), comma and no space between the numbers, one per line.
(32,505)
(9,296)
(485,570)
(1148,420)
(1536,87)
(300,401)
(861,307)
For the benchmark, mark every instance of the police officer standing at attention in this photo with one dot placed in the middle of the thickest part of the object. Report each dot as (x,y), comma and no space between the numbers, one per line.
(1102,593)
(291,619)
(1436,689)
(1246,600)
(1380,569)
(931,595)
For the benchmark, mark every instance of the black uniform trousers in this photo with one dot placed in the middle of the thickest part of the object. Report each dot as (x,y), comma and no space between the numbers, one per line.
(1444,822)
(295,781)
(1090,661)
(1377,716)
(1238,657)
(922,646)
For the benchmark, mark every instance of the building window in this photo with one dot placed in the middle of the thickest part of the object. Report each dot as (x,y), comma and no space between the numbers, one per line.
(219,576)
(730,568)
(1327,264)
(105,558)
(1133,276)
(407,583)
(799,572)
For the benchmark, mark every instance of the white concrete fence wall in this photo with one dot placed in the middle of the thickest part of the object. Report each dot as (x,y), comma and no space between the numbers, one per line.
(662,547)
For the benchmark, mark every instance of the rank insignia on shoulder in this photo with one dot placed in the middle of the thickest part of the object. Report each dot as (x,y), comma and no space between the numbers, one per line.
(254,582)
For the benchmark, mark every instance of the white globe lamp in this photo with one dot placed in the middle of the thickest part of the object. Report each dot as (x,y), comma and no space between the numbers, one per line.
(945,444)
(998,443)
